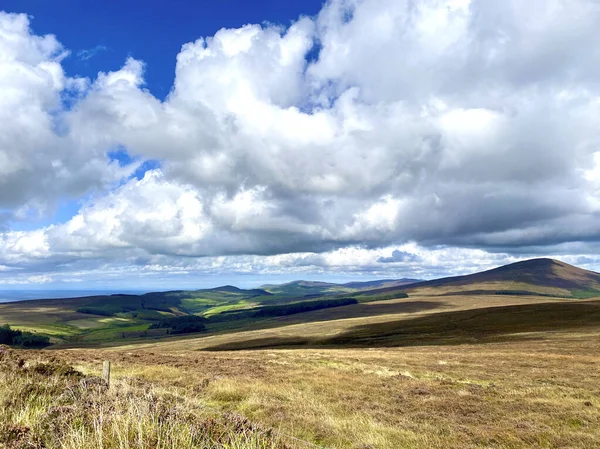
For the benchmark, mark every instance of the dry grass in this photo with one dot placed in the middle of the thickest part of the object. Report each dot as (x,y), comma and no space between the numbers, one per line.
(534,388)
(533,393)
(51,405)
(333,322)
(489,286)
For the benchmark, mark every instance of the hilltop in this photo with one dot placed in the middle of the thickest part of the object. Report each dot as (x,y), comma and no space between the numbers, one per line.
(539,277)
(535,276)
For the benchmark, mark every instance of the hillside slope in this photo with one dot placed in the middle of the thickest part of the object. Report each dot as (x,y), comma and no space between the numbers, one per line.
(381,283)
(545,277)
(534,276)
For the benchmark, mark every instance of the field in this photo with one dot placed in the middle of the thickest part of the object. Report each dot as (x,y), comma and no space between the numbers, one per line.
(497,382)
(435,369)
(518,394)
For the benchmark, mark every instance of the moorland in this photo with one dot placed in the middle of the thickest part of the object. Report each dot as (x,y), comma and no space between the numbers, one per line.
(506,358)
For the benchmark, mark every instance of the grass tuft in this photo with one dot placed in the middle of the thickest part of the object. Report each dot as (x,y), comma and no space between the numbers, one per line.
(51,405)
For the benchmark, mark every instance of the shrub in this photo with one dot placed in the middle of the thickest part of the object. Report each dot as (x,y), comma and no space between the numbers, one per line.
(6,335)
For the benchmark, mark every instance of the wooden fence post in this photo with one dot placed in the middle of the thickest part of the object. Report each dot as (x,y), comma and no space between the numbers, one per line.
(106,372)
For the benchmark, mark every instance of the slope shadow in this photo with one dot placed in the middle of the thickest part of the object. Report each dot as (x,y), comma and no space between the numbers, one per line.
(483,325)
(363,310)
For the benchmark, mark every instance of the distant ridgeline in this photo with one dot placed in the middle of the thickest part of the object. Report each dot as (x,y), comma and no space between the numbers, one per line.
(179,311)
(216,309)
(13,337)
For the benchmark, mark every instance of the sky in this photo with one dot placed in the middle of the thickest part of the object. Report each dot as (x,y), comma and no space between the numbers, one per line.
(155,144)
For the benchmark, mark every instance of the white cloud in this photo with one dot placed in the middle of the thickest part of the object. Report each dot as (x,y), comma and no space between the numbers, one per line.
(39,161)
(451,124)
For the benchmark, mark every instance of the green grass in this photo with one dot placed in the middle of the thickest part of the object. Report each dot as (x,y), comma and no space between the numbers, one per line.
(86,323)
(586,294)
(198,305)
(104,318)
(299,289)
(239,305)
(51,330)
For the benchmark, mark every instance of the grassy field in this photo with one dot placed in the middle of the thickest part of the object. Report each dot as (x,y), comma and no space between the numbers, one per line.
(48,404)
(326,323)
(454,372)
(436,369)
(536,389)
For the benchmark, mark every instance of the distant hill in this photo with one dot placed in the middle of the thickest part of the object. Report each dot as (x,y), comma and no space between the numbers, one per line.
(235,290)
(305,288)
(535,276)
(541,277)
(381,283)
(315,288)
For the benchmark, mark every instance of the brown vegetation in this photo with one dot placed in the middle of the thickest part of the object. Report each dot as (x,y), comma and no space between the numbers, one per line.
(535,392)
(441,370)
(48,404)
(536,276)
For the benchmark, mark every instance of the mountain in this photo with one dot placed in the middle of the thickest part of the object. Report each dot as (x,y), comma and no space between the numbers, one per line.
(305,288)
(381,283)
(235,290)
(535,276)
(542,277)
(316,288)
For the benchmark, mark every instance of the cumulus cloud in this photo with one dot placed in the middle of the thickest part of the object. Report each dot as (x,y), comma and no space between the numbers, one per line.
(39,160)
(465,124)
(398,257)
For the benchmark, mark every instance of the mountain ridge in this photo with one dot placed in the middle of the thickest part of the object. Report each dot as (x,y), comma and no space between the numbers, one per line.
(543,276)
(304,288)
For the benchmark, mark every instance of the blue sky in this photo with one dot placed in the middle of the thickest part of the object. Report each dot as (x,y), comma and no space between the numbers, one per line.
(149,145)
(102,34)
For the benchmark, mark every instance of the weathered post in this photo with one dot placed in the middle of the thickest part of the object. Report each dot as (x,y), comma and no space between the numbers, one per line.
(106,372)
